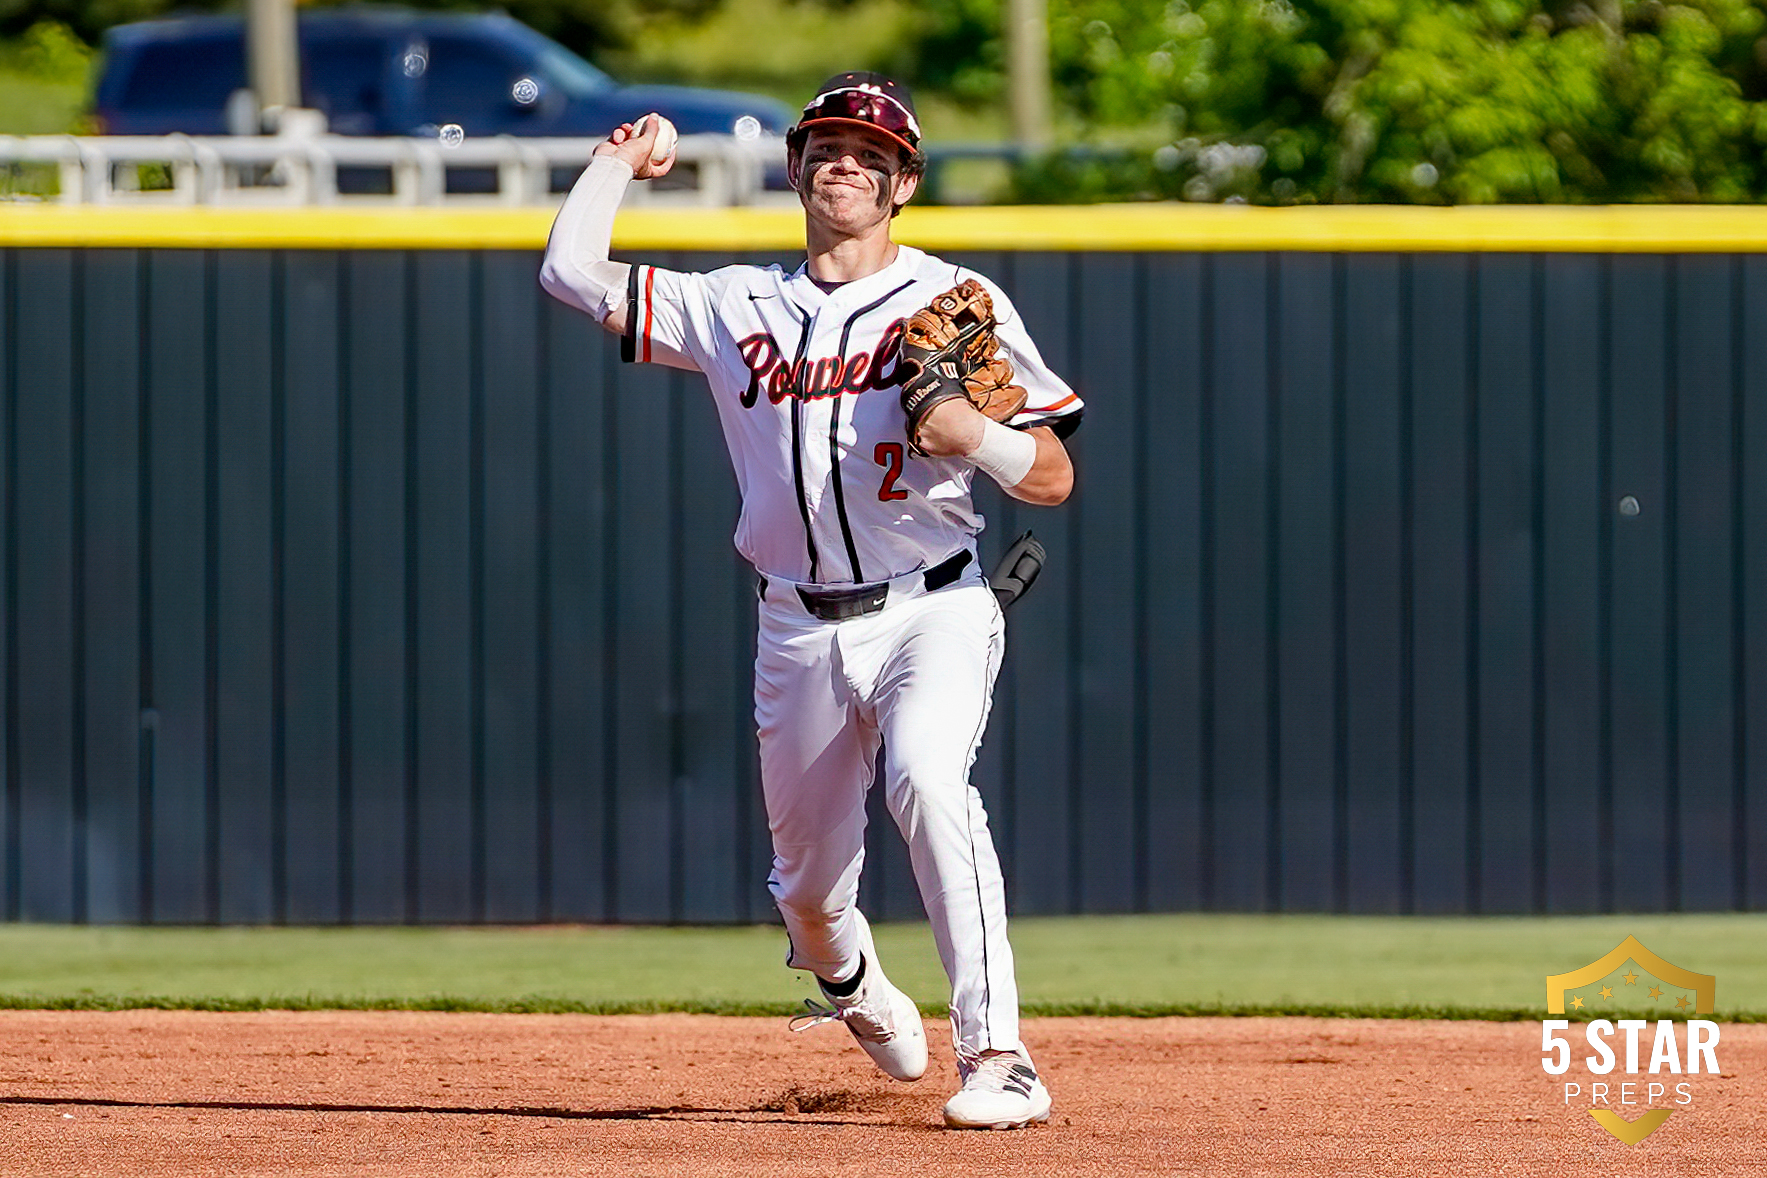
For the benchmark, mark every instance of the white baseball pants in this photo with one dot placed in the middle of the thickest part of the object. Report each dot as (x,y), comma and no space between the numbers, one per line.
(919,676)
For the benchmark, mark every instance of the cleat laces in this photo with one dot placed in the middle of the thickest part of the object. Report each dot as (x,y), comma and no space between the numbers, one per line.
(862,1021)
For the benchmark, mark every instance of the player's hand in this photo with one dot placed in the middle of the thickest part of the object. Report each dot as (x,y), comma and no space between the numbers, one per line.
(635,147)
(951,429)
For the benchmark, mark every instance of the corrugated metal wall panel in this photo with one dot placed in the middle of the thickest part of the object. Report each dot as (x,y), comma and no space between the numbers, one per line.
(1171,690)
(1706,539)
(1048,787)
(12,868)
(1376,638)
(1571,517)
(1108,858)
(1506,350)
(177,451)
(445,632)
(110,505)
(578,688)
(1238,582)
(1750,801)
(308,685)
(1304,691)
(48,775)
(375,775)
(369,586)
(1438,682)
(248,391)
(1641,705)
(508,786)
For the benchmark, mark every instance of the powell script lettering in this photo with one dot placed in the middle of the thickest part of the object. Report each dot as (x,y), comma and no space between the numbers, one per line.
(812,378)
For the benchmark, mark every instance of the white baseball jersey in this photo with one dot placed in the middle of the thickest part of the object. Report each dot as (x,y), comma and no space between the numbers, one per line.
(804,381)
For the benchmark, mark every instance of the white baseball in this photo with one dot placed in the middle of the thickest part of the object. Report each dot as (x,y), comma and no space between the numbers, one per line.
(664,147)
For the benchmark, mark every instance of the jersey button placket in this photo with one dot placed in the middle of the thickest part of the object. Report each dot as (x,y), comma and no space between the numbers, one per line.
(813,454)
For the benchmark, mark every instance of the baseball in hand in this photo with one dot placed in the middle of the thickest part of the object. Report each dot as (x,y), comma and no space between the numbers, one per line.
(664,147)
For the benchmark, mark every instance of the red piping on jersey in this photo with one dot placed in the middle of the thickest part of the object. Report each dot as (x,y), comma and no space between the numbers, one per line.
(1060,403)
(649,282)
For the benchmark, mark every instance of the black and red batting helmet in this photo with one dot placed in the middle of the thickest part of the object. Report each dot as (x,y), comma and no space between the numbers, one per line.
(865,99)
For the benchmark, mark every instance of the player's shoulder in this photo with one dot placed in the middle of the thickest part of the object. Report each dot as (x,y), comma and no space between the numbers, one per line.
(939,274)
(746,278)
(932,270)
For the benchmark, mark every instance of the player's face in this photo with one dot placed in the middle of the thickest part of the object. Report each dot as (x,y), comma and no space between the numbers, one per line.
(850,176)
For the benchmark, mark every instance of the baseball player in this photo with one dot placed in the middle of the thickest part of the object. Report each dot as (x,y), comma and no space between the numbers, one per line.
(876,623)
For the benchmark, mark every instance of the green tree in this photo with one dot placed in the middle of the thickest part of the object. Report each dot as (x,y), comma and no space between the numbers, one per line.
(43,78)
(1438,101)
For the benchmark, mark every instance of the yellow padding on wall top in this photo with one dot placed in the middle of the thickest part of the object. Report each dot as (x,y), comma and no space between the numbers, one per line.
(1143,227)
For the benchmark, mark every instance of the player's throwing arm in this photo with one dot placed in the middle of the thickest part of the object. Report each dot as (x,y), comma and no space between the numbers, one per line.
(576,269)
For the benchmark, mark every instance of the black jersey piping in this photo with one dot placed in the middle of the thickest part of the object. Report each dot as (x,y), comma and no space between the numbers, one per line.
(797,448)
(834,434)
(970,797)
(840,497)
(629,337)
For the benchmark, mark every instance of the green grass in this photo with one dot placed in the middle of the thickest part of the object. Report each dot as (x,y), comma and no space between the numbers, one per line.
(1191,964)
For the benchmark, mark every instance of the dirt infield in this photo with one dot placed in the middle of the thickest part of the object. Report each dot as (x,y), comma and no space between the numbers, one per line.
(175,1093)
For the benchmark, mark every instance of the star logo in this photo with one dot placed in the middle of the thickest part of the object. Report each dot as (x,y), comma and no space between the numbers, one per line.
(1631,978)
(1655,993)
(1607,991)
(1577,1001)
(1681,1002)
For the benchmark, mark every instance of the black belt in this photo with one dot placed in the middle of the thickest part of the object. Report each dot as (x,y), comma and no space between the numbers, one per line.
(837,605)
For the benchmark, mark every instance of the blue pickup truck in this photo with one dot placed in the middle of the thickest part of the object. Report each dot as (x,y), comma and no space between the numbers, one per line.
(392,71)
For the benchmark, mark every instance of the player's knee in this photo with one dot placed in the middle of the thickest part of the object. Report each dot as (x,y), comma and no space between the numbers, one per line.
(921,780)
(805,906)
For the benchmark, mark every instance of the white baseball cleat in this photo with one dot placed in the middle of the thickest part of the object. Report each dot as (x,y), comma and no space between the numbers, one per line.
(884,1020)
(1000,1091)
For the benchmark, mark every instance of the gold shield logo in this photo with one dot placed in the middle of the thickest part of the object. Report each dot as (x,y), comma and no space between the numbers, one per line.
(1631,951)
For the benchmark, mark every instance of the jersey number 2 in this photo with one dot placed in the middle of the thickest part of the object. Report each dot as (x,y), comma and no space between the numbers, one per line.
(889,456)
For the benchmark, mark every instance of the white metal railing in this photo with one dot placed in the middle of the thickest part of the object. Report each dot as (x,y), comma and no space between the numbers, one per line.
(710,170)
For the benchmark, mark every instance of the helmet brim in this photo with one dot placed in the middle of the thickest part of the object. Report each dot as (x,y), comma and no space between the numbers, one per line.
(804,129)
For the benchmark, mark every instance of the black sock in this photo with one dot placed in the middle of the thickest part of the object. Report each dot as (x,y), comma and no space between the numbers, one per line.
(847,988)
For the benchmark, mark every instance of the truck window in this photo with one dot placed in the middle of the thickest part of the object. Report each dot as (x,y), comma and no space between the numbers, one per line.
(195,74)
(344,78)
(467,82)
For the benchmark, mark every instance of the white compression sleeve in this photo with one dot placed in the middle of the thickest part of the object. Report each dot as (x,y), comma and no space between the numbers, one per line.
(1005,453)
(576,269)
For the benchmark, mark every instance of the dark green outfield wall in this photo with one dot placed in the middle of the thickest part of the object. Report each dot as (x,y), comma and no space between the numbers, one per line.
(368,586)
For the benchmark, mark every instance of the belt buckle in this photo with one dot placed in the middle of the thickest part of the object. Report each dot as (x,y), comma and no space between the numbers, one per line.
(840,604)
